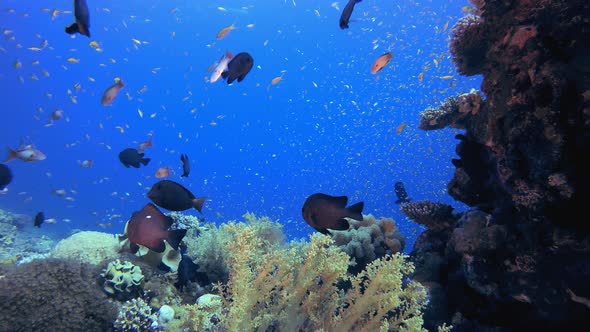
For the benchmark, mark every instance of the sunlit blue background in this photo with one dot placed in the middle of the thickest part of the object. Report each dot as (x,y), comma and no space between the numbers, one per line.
(329,126)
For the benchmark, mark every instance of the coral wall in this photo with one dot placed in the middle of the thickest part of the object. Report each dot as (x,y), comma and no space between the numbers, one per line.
(519,259)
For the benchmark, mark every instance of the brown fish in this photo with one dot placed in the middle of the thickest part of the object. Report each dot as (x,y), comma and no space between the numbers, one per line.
(150,227)
(323,211)
(111,93)
(381,62)
(174,197)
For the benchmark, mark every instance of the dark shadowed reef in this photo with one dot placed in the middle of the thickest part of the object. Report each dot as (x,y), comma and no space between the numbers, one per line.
(518,259)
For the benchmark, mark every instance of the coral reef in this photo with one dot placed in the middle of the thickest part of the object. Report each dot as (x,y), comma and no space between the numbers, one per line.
(53,295)
(88,247)
(368,240)
(136,315)
(210,250)
(518,259)
(455,112)
(122,280)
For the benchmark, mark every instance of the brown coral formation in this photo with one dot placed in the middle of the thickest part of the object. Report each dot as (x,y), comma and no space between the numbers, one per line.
(514,261)
(53,295)
(368,240)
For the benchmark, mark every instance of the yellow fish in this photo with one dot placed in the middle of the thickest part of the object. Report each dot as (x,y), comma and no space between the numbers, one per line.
(276,80)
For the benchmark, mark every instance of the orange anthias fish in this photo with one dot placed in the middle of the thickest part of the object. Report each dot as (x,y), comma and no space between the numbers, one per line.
(163,172)
(381,62)
(25,153)
(144,145)
(223,32)
(110,93)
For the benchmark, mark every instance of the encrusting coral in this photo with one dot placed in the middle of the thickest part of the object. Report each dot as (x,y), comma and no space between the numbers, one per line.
(53,295)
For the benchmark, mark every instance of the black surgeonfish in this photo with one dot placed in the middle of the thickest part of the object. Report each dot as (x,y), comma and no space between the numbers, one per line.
(186,166)
(174,197)
(238,67)
(130,157)
(82,15)
(346,12)
(323,211)
(400,192)
(39,219)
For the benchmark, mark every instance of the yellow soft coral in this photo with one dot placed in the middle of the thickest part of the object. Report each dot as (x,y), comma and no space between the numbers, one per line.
(299,287)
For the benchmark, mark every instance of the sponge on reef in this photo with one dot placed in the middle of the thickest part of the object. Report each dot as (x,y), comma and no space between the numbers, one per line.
(88,247)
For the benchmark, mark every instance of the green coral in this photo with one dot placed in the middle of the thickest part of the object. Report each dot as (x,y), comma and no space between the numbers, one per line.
(122,279)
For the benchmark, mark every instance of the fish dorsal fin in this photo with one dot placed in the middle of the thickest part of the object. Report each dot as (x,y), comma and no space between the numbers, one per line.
(341,201)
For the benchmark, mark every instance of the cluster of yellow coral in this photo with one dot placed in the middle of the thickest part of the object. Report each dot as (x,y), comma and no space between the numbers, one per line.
(305,286)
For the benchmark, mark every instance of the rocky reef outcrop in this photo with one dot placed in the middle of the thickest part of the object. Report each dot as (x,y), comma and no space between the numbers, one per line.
(518,259)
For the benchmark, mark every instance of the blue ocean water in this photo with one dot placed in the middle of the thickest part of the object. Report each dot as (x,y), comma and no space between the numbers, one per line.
(328,126)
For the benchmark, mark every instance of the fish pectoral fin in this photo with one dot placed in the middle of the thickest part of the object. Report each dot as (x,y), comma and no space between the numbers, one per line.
(175,236)
(356,211)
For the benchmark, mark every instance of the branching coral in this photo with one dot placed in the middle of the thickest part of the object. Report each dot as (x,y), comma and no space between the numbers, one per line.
(368,240)
(208,248)
(295,288)
(53,295)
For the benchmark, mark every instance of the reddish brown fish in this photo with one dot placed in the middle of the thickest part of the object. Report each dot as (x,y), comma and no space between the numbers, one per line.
(150,227)
(323,211)
(381,62)
(173,196)
(111,93)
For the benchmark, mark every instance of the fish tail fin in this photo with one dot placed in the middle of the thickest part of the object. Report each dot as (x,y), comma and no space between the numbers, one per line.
(356,211)
(11,155)
(198,203)
(72,29)
(175,236)
(145,161)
